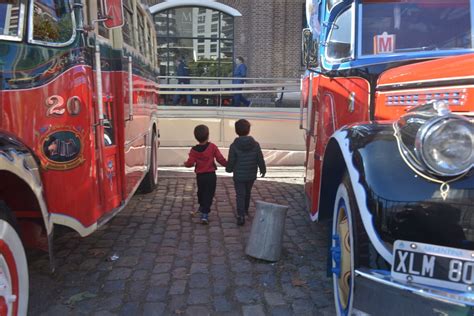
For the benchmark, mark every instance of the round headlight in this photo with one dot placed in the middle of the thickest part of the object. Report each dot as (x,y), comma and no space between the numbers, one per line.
(446,145)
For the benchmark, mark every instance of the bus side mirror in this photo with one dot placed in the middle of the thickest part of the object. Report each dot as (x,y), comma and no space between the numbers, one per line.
(113,13)
(309,49)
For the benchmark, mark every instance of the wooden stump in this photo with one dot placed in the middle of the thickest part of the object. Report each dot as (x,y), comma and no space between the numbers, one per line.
(266,235)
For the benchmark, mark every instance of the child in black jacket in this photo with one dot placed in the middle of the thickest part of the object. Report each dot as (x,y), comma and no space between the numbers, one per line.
(245,155)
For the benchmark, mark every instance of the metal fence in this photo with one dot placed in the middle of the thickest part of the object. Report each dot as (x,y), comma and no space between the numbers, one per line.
(218,91)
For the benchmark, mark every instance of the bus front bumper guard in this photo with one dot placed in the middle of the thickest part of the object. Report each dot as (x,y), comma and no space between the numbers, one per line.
(376,293)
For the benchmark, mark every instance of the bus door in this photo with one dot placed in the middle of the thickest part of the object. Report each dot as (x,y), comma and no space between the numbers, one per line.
(106,133)
(137,122)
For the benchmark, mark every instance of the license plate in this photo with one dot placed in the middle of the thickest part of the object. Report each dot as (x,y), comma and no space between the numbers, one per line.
(433,265)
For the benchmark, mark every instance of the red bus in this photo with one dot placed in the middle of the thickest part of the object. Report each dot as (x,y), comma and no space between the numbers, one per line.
(78,123)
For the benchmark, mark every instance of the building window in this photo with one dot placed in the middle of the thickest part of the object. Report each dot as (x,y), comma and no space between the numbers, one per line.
(141,34)
(203,37)
(128,22)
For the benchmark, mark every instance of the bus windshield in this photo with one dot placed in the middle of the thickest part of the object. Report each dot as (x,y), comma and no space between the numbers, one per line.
(11,19)
(403,26)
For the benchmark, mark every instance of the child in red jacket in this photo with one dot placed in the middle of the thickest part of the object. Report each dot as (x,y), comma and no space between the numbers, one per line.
(202,158)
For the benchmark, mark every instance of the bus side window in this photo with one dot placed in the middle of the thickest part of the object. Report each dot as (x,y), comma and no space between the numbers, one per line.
(339,46)
(52,21)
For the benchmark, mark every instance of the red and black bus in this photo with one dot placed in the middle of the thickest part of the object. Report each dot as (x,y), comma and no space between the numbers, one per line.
(78,124)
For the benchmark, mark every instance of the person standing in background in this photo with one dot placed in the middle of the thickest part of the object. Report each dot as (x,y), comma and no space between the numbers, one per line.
(182,70)
(240,71)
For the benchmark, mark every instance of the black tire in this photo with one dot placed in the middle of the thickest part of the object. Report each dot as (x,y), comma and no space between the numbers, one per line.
(13,266)
(349,246)
(150,181)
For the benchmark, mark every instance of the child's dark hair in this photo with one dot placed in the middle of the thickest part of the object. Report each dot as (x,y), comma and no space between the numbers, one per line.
(241,59)
(242,127)
(201,133)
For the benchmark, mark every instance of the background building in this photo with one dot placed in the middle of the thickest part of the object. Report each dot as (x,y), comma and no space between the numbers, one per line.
(210,34)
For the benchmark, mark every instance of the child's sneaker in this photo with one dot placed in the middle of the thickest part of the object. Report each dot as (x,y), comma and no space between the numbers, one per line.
(204,219)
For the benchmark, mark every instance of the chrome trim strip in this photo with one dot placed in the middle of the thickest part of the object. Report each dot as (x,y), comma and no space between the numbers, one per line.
(51,44)
(65,220)
(131,141)
(452,297)
(428,83)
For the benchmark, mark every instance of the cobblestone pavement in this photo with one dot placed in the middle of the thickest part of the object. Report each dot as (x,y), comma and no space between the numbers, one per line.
(170,264)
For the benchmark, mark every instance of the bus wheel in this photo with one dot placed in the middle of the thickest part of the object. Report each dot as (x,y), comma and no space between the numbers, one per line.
(14,284)
(349,246)
(342,250)
(150,181)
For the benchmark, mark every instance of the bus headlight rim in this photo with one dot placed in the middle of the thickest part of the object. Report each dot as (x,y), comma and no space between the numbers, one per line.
(439,145)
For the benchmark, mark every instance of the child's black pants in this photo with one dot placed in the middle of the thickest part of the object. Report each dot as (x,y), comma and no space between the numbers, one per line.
(242,192)
(206,183)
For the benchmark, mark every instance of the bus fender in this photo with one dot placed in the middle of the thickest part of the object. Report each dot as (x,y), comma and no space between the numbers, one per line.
(392,199)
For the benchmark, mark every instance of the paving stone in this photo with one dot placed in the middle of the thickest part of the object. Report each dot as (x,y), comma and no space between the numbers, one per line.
(274,298)
(199,296)
(303,307)
(221,304)
(126,262)
(162,267)
(199,268)
(140,275)
(177,287)
(282,311)
(253,310)
(160,279)
(156,293)
(246,295)
(199,280)
(180,273)
(114,286)
(153,309)
(131,308)
(177,303)
(119,274)
(197,311)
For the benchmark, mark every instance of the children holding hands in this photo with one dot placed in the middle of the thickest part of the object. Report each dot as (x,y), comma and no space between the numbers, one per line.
(245,159)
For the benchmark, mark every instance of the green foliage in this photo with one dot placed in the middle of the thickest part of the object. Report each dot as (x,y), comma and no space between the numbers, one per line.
(48,30)
(209,68)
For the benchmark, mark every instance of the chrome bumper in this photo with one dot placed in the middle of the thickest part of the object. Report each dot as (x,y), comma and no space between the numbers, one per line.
(376,293)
